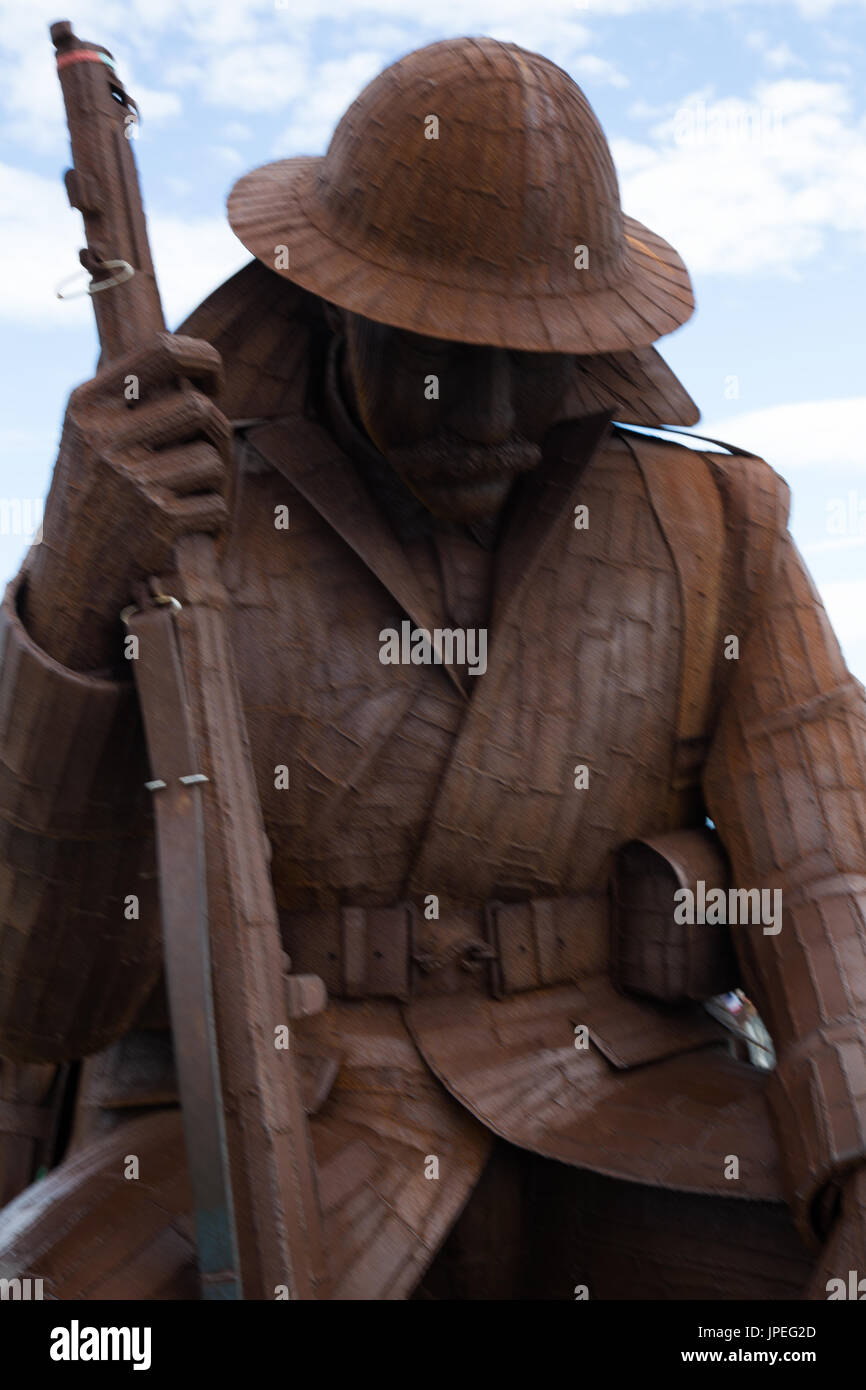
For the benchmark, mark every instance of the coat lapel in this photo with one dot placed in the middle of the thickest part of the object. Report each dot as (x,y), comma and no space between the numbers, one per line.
(544,506)
(546,499)
(304,453)
(312,462)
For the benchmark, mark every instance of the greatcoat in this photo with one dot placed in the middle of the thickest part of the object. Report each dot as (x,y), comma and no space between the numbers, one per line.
(609,650)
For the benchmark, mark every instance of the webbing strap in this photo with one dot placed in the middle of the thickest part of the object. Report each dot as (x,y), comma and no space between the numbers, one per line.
(689,510)
(183,899)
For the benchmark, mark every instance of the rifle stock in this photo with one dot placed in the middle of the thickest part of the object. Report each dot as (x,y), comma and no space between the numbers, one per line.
(248,1144)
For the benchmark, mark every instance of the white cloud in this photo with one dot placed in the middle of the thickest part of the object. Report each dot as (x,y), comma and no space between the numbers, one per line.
(192,256)
(589,68)
(382,34)
(255,77)
(227,155)
(180,186)
(157,106)
(257,55)
(338,81)
(32,105)
(777,56)
(837,43)
(41,235)
(816,435)
(183,74)
(761,182)
(538,28)
(845,601)
(631,156)
(782,56)
(31,101)
(641,110)
(834,544)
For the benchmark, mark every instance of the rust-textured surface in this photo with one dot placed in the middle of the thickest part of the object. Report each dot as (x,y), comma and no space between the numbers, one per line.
(444,264)
(786,770)
(543,1230)
(465,1147)
(29,1097)
(75,841)
(248,1146)
(515,1064)
(268,333)
(91,1233)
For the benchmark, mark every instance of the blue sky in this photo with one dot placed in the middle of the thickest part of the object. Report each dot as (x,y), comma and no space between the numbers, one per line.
(738,130)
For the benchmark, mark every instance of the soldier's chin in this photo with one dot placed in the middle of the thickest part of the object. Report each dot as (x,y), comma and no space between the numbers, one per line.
(463,501)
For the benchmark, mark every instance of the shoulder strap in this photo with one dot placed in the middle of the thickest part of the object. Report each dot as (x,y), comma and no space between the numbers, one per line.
(722,518)
(688,508)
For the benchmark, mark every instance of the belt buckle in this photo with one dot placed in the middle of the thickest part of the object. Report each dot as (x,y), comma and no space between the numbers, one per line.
(473,951)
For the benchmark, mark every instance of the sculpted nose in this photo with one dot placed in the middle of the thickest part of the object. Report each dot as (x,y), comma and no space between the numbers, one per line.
(480,407)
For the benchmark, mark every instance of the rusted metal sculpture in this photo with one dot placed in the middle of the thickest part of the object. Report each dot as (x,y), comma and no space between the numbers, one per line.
(246,1133)
(421,368)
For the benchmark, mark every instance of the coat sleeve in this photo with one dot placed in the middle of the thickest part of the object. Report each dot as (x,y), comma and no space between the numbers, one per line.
(785,784)
(78,954)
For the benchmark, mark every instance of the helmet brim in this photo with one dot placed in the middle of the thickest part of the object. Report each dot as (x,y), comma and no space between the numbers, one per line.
(274,212)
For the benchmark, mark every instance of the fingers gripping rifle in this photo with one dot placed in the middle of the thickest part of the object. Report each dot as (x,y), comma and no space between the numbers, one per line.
(247,1139)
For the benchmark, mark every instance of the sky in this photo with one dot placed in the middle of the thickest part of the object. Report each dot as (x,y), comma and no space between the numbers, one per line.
(738,129)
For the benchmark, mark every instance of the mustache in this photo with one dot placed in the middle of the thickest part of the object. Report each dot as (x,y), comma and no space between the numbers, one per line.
(448,458)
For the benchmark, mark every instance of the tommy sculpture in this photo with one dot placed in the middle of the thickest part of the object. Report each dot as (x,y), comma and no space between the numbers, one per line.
(481,1066)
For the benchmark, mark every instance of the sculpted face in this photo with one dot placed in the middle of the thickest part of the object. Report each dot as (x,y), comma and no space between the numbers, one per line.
(459,453)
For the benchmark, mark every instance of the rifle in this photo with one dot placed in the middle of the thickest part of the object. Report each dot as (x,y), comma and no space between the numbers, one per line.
(248,1145)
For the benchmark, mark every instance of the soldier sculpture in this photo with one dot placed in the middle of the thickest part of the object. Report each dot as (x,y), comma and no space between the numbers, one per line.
(514,679)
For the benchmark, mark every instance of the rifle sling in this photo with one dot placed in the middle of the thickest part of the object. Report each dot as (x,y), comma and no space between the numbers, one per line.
(180,843)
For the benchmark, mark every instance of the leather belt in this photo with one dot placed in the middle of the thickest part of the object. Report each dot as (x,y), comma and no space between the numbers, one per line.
(500,947)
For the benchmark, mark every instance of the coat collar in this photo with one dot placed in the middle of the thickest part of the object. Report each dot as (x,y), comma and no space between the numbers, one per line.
(314,463)
(305,453)
(544,499)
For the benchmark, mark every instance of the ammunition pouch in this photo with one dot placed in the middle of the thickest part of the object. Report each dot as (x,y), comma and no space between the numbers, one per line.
(653,954)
